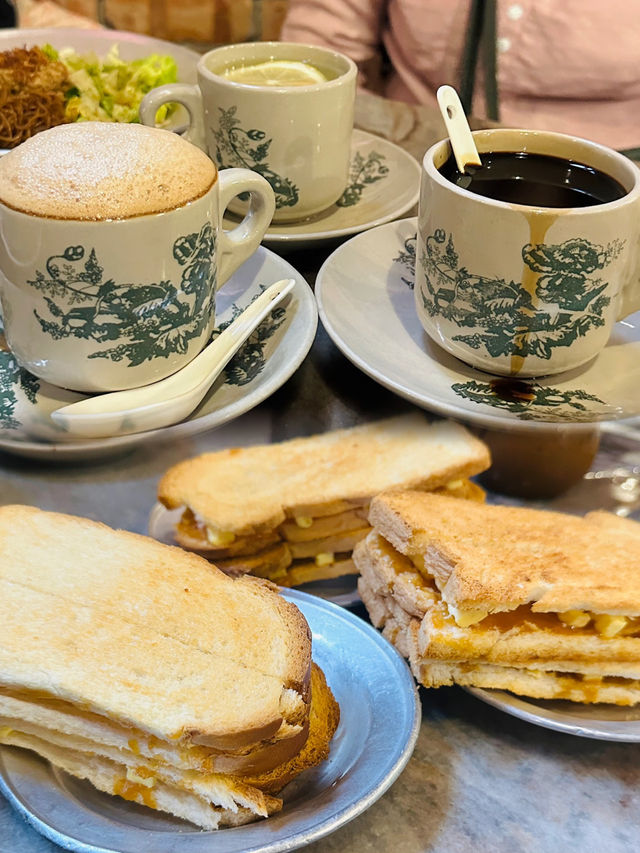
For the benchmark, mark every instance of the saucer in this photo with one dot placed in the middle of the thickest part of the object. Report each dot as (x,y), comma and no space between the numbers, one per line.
(384,183)
(366,303)
(270,356)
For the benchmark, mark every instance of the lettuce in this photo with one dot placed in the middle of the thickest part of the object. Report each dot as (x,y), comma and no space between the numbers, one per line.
(111,89)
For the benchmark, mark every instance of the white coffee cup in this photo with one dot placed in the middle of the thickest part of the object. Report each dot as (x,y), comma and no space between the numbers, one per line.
(297,137)
(523,290)
(111,251)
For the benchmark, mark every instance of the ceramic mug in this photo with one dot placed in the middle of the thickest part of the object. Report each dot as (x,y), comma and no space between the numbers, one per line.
(111,252)
(297,137)
(521,290)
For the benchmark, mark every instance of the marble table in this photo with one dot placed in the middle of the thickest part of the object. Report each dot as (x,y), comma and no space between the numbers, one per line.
(478,779)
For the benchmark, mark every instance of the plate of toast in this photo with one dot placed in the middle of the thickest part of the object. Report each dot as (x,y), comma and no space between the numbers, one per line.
(536,612)
(151,702)
(293,511)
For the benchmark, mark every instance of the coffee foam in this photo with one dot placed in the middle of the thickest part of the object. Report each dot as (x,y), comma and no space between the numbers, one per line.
(99,171)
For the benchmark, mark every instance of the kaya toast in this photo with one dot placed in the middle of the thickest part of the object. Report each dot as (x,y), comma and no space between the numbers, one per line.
(473,594)
(140,655)
(312,494)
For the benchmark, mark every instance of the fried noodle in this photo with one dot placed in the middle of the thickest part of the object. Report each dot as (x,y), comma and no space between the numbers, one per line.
(32,94)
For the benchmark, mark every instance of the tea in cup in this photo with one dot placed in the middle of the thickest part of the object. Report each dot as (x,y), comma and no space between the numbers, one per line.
(523,266)
(282,110)
(111,251)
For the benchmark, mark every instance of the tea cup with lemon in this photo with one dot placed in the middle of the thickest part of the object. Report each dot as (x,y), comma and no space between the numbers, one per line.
(282,110)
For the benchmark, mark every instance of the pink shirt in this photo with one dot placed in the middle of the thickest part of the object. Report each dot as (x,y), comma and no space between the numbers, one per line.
(567,65)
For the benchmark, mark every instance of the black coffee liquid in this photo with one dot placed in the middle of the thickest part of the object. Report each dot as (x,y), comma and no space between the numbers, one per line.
(536,180)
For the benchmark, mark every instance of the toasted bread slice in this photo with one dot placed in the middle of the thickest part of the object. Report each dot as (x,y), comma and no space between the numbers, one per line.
(520,637)
(258,488)
(154,774)
(147,635)
(489,559)
(543,680)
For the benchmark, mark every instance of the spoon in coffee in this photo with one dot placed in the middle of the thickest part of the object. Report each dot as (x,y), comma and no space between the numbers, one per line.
(464,147)
(170,400)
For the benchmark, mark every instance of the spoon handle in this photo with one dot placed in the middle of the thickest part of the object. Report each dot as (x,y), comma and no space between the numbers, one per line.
(217,355)
(196,377)
(462,142)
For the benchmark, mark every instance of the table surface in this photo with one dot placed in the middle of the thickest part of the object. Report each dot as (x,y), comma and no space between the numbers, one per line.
(478,779)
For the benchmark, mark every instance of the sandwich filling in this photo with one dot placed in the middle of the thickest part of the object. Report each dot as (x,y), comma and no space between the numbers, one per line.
(415,584)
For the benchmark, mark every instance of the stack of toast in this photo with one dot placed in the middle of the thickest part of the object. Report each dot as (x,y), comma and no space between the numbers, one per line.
(146,671)
(540,603)
(293,512)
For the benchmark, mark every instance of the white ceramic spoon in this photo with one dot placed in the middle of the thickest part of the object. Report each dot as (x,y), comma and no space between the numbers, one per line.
(170,400)
(464,147)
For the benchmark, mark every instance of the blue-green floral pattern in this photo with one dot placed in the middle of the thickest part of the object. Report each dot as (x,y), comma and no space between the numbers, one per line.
(362,173)
(406,257)
(143,320)
(12,378)
(249,361)
(530,401)
(236,146)
(503,317)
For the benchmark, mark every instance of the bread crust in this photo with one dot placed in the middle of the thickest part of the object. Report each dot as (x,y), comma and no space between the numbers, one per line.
(499,558)
(257,488)
(145,600)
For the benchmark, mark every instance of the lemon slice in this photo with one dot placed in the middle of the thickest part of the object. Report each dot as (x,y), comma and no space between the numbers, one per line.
(276,72)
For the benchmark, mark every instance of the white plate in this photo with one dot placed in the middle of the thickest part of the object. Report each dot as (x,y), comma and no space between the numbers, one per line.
(131,46)
(384,183)
(263,364)
(342,591)
(365,297)
(602,722)
(379,724)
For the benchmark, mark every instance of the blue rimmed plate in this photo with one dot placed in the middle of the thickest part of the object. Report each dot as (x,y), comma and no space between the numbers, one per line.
(379,724)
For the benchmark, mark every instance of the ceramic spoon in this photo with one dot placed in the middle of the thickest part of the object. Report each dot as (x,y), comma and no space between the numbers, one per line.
(170,400)
(464,148)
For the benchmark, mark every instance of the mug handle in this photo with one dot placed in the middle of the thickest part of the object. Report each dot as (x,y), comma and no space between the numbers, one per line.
(236,245)
(177,93)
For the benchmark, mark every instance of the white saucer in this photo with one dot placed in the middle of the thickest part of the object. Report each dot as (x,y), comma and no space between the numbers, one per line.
(267,360)
(342,591)
(384,183)
(365,298)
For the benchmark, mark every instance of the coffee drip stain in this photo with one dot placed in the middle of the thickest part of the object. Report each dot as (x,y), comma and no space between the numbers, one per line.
(539,223)
(513,390)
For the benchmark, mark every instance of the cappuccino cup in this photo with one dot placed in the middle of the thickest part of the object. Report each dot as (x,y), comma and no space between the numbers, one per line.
(292,124)
(526,274)
(111,251)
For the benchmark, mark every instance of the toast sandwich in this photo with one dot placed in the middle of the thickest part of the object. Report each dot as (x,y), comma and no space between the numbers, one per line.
(539,603)
(145,670)
(292,512)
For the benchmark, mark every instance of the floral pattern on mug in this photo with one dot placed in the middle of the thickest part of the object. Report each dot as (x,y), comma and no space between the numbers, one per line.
(144,321)
(505,318)
(236,147)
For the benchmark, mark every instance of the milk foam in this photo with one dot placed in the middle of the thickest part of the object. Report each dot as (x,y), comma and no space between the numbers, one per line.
(99,171)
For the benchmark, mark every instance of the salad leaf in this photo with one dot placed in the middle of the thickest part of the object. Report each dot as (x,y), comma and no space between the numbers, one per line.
(111,89)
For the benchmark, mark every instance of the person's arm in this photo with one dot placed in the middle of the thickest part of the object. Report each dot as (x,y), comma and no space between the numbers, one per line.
(352,27)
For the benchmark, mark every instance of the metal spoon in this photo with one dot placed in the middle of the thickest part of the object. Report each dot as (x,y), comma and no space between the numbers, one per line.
(170,400)
(464,147)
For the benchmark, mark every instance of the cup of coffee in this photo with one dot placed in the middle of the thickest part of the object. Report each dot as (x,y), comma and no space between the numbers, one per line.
(524,265)
(111,251)
(282,110)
